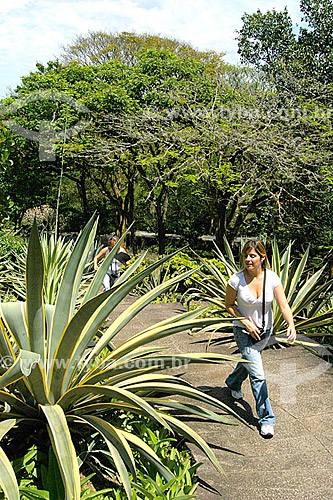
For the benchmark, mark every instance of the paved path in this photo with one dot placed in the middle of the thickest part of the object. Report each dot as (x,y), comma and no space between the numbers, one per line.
(297,464)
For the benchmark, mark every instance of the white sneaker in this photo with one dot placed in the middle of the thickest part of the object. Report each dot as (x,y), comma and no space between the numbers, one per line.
(267,430)
(237,394)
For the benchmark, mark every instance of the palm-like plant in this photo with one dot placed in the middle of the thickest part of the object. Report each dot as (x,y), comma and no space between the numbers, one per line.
(307,293)
(54,382)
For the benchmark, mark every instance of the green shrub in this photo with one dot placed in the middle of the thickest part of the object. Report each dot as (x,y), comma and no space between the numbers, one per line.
(11,242)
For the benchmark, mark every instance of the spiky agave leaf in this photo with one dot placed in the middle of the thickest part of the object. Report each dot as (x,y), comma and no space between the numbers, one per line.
(64,450)
(55,389)
(8,481)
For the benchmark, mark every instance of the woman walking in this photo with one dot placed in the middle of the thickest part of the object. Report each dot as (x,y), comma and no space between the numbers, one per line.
(249,297)
(113,272)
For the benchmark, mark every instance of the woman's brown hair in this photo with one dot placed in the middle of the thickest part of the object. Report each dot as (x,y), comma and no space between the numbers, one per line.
(260,248)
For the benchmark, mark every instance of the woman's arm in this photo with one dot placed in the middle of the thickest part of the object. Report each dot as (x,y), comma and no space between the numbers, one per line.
(281,300)
(98,256)
(230,299)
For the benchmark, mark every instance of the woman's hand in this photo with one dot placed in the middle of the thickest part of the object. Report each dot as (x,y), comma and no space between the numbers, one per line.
(291,333)
(251,328)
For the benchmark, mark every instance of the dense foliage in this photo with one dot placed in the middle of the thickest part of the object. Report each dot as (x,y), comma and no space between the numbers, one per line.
(177,140)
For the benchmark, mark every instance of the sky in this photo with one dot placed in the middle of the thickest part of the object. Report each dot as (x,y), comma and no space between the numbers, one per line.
(35,30)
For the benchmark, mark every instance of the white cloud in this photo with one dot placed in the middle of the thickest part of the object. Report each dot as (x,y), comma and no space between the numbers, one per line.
(35,30)
(7,7)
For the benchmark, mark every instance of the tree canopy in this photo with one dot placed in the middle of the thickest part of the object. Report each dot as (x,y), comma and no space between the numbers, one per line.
(177,140)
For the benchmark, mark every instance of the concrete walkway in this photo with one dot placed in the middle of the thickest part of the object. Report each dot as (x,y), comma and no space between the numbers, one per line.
(297,464)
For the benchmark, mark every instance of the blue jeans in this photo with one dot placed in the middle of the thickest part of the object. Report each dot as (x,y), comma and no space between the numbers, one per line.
(109,280)
(255,370)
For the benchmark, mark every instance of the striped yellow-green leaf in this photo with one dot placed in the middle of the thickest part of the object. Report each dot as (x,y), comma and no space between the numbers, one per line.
(183,429)
(124,318)
(18,404)
(14,318)
(8,481)
(21,366)
(34,293)
(160,362)
(118,447)
(37,385)
(81,392)
(64,450)
(180,389)
(154,334)
(6,348)
(67,294)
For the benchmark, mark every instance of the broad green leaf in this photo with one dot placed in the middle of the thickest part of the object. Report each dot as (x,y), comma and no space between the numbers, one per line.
(53,478)
(20,406)
(118,447)
(85,323)
(64,450)
(37,384)
(21,367)
(35,303)
(6,349)
(29,493)
(67,294)
(13,315)
(8,480)
(72,395)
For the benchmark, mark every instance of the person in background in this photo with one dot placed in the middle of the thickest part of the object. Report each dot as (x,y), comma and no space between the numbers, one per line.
(244,300)
(113,272)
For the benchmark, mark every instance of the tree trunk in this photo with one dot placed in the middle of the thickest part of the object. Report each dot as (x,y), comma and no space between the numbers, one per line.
(221,228)
(160,231)
(81,187)
(161,207)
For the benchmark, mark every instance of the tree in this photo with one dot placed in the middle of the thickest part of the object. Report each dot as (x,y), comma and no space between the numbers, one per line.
(167,129)
(298,70)
(268,42)
(6,144)
(154,79)
(99,47)
(266,39)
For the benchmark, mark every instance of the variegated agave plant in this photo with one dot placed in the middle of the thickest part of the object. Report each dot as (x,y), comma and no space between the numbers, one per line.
(56,252)
(52,381)
(307,293)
